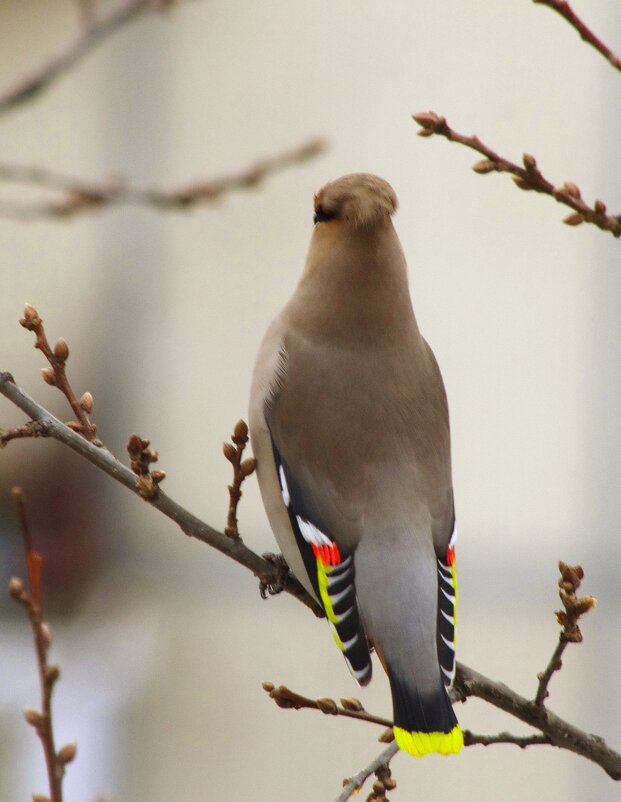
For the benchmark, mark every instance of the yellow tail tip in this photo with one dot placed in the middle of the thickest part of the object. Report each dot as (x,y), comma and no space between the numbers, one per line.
(419,744)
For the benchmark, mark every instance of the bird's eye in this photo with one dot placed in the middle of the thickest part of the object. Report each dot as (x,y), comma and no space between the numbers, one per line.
(321,215)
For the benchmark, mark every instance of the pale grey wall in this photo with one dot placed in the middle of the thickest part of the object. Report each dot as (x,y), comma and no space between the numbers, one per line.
(162,665)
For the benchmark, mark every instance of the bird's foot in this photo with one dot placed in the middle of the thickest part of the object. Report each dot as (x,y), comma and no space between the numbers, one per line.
(276,584)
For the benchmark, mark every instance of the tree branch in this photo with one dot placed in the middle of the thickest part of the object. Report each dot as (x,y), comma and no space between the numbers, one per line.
(30,599)
(80,197)
(528,177)
(191,525)
(64,59)
(355,783)
(472,739)
(469,682)
(566,11)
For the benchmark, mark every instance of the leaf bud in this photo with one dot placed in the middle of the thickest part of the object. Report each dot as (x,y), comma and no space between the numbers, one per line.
(61,350)
(48,376)
(86,403)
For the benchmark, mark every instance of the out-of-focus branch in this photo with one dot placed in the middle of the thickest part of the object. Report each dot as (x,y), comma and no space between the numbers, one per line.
(353,785)
(41,720)
(99,27)
(528,177)
(192,526)
(79,196)
(563,8)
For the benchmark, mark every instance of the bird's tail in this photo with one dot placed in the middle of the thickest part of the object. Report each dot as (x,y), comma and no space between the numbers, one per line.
(424,723)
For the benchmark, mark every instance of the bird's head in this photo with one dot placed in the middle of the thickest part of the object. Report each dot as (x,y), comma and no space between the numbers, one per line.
(360,200)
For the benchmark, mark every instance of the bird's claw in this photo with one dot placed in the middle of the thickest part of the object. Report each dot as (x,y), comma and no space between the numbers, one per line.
(274,585)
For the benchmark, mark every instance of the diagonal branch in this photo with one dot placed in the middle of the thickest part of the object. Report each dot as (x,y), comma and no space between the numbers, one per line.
(469,682)
(78,196)
(355,783)
(190,524)
(63,60)
(563,8)
(528,177)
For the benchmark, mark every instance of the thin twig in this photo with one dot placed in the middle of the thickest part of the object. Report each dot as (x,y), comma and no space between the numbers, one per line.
(30,599)
(355,783)
(472,739)
(64,59)
(575,607)
(528,177)
(56,375)
(566,11)
(79,196)
(350,707)
(242,468)
(190,524)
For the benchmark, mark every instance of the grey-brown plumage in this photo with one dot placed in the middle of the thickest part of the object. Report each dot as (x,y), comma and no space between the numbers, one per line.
(349,425)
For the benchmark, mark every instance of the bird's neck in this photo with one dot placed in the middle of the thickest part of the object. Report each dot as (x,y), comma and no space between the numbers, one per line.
(354,287)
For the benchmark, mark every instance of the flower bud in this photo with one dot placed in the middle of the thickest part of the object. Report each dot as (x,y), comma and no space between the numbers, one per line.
(48,376)
(229,451)
(67,753)
(247,467)
(86,403)
(61,350)
(16,588)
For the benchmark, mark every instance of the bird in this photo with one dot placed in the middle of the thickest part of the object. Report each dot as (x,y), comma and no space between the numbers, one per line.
(350,431)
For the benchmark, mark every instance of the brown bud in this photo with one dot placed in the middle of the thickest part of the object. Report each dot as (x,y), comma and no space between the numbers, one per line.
(522,183)
(584,604)
(150,454)
(158,476)
(574,219)
(61,350)
(571,189)
(389,783)
(74,425)
(46,634)
(600,207)
(425,132)
(327,706)
(52,673)
(16,588)
(240,433)
(378,787)
(351,703)
(428,119)
(31,319)
(67,753)
(387,736)
(134,445)
(268,686)
(229,451)
(48,376)
(484,166)
(247,466)
(32,716)
(86,402)
(529,162)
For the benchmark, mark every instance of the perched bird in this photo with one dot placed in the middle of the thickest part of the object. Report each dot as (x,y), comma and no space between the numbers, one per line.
(349,426)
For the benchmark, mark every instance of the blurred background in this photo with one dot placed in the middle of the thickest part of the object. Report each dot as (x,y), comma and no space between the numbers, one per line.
(162,642)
